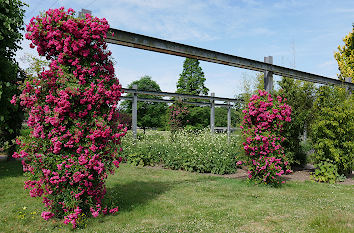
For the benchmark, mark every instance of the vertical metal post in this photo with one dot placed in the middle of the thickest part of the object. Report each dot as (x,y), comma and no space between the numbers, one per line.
(228,122)
(135,112)
(349,80)
(268,76)
(212,113)
(83,12)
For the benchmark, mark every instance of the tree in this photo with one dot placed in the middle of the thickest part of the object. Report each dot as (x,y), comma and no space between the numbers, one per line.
(150,114)
(250,85)
(11,24)
(198,117)
(333,129)
(345,57)
(300,96)
(191,80)
(221,117)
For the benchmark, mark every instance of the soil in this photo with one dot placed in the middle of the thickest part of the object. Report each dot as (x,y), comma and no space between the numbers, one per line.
(298,174)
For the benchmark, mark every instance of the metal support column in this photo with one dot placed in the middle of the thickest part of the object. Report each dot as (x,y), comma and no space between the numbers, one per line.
(212,114)
(135,112)
(228,122)
(268,76)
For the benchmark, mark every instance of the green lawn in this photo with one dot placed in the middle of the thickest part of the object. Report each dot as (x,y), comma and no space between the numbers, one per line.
(158,200)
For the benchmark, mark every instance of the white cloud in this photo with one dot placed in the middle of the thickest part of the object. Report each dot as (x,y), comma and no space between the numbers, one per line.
(329,63)
(252,28)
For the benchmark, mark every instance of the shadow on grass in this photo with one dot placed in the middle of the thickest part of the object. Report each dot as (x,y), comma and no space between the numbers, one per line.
(134,194)
(11,168)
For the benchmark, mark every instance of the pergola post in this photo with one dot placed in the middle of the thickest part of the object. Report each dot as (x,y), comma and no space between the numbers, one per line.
(228,122)
(135,112)
(268,76)
(212,113)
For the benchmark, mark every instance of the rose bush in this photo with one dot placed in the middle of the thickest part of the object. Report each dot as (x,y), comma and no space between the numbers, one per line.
(177,116)
(261,130)
(75,136)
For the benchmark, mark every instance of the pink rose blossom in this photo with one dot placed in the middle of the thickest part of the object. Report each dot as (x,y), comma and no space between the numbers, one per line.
(47,215)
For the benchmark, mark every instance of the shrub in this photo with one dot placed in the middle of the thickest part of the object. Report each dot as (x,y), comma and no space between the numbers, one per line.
(125,119)
(201,151)
(140,159)
(198,151)
(333,128)
(261,129)
(178,114)
(73,143)
(325,171)
(147,148)
(300,96)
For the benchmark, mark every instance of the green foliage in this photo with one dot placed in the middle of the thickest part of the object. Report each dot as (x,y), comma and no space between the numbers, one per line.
(35,65)
(141,159)
(11,24)
(198,151)
(177,116)
(221,117)
(198,117)
(333,129)
(345,57)
(300,96)
(150,114)
(250,86)
(325,171)
(191,80)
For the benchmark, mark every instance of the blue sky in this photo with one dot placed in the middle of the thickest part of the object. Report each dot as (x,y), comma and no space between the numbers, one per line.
(301,34)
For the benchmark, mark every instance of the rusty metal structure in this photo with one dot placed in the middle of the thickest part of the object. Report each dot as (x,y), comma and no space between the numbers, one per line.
(211,101)
(134,40)
(120,37)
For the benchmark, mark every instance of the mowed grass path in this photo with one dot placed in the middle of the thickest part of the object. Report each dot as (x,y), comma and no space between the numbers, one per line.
(159,200)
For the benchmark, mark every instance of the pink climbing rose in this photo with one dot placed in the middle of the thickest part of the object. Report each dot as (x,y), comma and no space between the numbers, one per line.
(72,114)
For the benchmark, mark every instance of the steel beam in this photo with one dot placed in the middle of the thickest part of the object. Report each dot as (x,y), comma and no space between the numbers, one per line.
(172,94)
(116,36)
(172,101)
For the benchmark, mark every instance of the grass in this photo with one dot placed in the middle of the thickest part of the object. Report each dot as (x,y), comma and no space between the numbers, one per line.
(159,200)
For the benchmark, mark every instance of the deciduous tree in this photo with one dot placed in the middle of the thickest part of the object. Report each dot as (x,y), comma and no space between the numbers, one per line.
(11,24)
(150,114)
(345,57)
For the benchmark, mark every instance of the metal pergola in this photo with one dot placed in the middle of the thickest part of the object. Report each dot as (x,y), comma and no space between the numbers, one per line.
(134,40)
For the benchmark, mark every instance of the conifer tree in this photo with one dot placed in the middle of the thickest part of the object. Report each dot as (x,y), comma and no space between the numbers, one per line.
(191,80)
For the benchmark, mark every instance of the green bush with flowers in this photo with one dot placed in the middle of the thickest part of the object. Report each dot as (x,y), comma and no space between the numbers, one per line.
(261,129)
(75,135)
